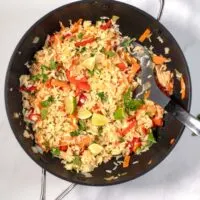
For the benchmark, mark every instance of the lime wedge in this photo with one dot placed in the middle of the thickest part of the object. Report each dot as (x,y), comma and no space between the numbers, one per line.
(84,114)
(89,63)
(70,104)
(99,120)
(95,149)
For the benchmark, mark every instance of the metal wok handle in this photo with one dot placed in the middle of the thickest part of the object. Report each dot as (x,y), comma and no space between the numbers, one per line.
(184,117)
(162,4)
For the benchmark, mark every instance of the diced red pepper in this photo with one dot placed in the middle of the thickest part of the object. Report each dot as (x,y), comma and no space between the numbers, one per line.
(28,89)
(158,121)
(34,117)
(136,142)
(67,35)
(84,42)
(121,66)
(82,99)
(106,26)
(63,148)
(127,129)
(83,86)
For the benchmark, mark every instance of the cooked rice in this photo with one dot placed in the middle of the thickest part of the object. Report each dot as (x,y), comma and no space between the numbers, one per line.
(87,63)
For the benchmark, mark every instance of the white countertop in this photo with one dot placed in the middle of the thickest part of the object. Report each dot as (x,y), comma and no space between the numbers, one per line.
(177,177)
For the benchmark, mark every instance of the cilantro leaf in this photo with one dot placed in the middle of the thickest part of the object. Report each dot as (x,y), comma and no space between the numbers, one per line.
(77,160)
(47,102)
(44,113)
(53,65)
(110,53)
(75,133)
(102,96)
(80,36)
(55,151)
(125,43)
(82,125)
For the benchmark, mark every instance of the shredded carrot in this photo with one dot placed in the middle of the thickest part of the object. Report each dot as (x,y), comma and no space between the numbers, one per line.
(145,35)
(75,26)
(147,94)
(158,121)
(159,60)
(183,88)
(58,83)
(135,67)
(126,161)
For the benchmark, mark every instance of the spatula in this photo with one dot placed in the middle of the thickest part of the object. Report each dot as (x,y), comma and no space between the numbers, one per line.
(156,95)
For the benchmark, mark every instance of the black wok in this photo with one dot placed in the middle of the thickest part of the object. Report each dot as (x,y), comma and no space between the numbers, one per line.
(132,22)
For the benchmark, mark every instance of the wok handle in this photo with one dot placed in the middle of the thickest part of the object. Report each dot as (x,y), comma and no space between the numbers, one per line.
(65,192)
(184,117)
(43,185)
(160,12)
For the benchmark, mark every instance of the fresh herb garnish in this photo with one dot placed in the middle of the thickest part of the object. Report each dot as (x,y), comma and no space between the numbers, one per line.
(100,130)
(126,43)
(80,36)
(83,49)
(151,138)
(77,160)
(44,113)
(55,151)
(53,65)
(119,114)
(47,102)
(75,133)
(92,54)
(91,72)
(82,125)
(36,77)
(121,139)
(102,96)
(102,50)
(131,104)
(110,54)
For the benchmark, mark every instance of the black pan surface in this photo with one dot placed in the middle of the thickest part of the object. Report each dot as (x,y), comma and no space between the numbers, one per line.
(132,23)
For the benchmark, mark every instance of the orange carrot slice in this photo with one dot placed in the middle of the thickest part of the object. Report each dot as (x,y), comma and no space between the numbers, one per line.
(126,161)
(159,60)
(183,88)
(145,35)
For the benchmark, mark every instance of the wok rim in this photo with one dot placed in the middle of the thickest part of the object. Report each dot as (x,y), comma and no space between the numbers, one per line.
(42,165)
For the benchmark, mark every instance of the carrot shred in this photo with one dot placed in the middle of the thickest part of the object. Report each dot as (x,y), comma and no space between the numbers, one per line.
(159,60)
(158,121)
(75,26)
(145,35)
(126,161)
(147,94)
(183,88)
(58,83)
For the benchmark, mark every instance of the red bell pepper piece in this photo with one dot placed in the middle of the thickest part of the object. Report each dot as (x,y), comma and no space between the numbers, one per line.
(84,42)
(28,89)
(82,99)
(63,148)
(127,129)
(81,84)
(106,26)
(34,117)
(121,66)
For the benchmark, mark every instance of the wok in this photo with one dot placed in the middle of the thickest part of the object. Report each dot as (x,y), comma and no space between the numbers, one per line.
(132,22)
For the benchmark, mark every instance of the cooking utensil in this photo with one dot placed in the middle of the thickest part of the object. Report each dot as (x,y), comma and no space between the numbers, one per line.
(43,185)
(156,95)
(132,22)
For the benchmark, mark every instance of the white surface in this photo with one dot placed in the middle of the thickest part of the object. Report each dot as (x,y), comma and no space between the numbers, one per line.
(177,177)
